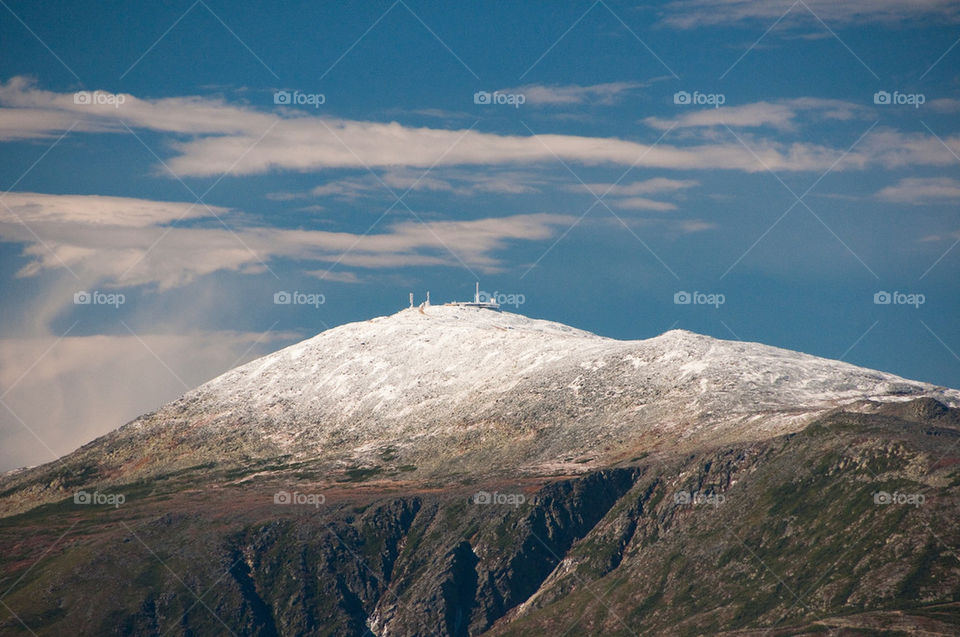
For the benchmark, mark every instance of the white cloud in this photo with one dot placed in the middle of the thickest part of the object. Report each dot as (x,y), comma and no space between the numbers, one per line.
(688,226)
(210,137)
(688,14)
(645,187)
(920,190)
(131,244)
(27,123)
(643,203)
(399,180)
(308,144)
(894,149)
(666,226)
(629,196)
(780,115)
(542,95)
(463,182)
(96,210)
(221,138)
(188,115)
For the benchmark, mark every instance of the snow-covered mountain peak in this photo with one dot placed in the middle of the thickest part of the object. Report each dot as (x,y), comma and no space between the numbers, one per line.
(429,373)
(452,316)
(452,389)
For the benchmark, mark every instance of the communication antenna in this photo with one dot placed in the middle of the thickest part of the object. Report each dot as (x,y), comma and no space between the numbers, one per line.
(411,300)
(476,295)
(428,297)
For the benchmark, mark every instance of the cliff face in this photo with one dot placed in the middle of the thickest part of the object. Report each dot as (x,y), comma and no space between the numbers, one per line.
(848,524)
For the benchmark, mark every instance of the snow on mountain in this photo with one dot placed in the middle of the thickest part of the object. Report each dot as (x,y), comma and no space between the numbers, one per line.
(446,383)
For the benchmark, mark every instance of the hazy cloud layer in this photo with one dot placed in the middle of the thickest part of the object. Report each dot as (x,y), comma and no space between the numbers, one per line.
(59,394)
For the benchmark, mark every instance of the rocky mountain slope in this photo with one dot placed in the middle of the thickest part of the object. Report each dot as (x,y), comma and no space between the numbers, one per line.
(457,391)
(459,471)
(847,527)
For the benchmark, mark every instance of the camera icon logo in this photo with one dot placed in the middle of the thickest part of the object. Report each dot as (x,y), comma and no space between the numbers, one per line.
(82,298)
(282,298)
(681,497)
(82,97)
(882,497)
(681,97)
(481,97)
(682,298)
(282,497)
(881,97)
(82,497)
(482,497)
(281,97)
(882,298)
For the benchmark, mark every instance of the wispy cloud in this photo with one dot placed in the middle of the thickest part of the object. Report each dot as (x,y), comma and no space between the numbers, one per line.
(784,115)
(631,196)
(645,203)
(97,210)
(944,105)
(922,190)
(688,14)
(333,276)
(447,180)
(126,241)
(645,187)
(569,94)
(221,138)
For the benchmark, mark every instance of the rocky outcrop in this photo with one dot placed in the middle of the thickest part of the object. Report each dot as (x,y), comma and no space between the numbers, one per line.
(848,524)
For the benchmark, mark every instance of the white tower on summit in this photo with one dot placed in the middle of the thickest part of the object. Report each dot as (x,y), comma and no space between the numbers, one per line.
(489,304)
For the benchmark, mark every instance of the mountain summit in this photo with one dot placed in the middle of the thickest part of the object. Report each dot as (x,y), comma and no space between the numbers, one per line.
(450,390)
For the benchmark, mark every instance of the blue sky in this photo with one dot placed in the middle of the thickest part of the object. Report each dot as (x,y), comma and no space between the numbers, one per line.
(183,162)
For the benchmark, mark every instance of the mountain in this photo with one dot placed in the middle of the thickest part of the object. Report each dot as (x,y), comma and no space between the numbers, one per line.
(467,391)
(456,470)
